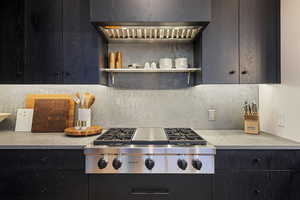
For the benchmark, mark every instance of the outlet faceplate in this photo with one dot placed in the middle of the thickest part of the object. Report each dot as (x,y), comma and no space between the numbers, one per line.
(211,115)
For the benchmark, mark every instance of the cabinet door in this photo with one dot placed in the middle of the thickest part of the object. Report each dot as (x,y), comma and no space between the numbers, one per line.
(240,185)
(49,184)
(260,41)
(44,41)
(80,40)
(11,41)
(220,44)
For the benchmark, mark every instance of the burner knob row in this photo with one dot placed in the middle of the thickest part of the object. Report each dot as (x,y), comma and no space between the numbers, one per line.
(149,163)
(196,163)
(102,163)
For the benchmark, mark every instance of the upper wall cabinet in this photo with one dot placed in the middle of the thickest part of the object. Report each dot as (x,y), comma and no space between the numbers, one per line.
(67,41)
(136,11)
(242,42)
(48,42)
(260,41)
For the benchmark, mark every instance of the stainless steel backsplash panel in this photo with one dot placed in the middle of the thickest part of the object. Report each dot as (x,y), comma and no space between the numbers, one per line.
(146,108)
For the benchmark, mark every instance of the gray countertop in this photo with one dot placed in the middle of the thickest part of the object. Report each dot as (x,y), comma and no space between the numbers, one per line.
(20,140)
(221,139)
(237,139)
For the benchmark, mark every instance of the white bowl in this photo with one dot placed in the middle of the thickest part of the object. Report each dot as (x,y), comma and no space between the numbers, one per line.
(3,116)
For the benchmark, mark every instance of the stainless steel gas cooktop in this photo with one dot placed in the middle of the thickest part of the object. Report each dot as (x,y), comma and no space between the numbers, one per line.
(150,150)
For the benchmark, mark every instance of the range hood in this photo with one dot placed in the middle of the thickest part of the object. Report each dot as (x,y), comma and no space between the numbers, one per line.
(150,33)
(150,19)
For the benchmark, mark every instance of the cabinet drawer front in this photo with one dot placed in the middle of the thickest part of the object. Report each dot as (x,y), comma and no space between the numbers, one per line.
(42,159)
(258,160)
(153,186)
(243,160)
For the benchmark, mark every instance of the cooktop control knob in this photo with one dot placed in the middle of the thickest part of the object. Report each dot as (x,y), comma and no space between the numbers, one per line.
(117,163)
(182,164)
(102,163)
(149,163)
(197,164)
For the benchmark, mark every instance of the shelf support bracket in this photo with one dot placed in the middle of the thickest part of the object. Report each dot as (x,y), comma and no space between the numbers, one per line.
(113,78)
(189,77)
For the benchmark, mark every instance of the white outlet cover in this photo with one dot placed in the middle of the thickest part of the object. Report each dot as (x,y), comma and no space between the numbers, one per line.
(281,120)
(211,115)
(24,120)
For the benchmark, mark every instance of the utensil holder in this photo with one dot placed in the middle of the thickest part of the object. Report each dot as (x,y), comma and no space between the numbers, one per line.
(251,124)
(85,114)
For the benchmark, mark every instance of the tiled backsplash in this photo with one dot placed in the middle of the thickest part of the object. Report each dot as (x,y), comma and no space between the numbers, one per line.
(146,108)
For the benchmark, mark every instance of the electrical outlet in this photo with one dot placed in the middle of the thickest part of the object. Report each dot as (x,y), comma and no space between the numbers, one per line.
(211,115)
(281,120)
(24,120)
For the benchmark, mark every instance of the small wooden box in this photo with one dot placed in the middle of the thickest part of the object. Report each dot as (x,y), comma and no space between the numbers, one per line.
(251,124)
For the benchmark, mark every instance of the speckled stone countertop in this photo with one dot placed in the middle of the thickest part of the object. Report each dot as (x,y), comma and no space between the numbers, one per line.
(237,139)
(221,139)
(20,140)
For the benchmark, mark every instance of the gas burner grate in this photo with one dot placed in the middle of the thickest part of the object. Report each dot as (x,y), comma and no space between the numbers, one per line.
(116,137)
(183,137)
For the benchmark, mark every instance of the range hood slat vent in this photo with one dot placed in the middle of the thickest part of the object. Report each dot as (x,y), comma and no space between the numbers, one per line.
(150,33)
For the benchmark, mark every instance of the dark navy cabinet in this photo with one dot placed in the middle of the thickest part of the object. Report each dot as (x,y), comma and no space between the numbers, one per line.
(48,42)
(242,42)
(150,11)
(220,44)
(62,44)
(43,174)
(55,41)
(257,174)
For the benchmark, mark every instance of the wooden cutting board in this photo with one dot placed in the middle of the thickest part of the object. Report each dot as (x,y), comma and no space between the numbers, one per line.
(31,98)
(50,115)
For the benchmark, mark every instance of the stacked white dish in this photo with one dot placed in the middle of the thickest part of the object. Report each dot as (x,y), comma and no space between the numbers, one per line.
(181,63)
(165,63)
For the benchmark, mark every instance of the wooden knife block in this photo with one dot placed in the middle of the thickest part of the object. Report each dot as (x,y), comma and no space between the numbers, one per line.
(251,124)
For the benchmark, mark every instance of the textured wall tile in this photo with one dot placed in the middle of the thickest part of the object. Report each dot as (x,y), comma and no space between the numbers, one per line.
(146,108)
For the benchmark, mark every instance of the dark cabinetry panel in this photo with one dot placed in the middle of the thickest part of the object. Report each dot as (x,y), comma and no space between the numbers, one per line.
(11,41)
(41,184)
(258,160)
(150,11)
(242,42)
(43,174)
(221,44)
(257,174)
(80,42)
(42,159)
(49,41)
(154,186)
(260,41)
(44,42)
(251,185)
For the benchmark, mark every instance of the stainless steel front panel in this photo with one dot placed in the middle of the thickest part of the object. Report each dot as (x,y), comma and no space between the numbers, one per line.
(164,164)
(165,156)
(150,149)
